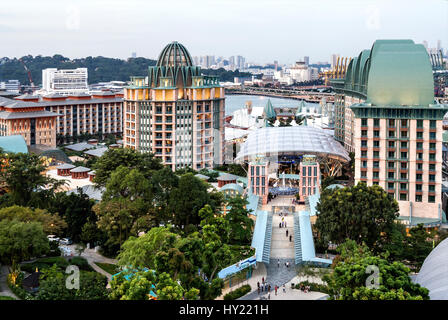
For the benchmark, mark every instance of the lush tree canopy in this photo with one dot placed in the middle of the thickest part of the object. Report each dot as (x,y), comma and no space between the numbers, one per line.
(360,213)
(146,163)
(21,241)
(51,223)
(353,277)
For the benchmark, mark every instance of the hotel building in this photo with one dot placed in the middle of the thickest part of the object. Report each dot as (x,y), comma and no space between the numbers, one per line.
(47,120)
(175,112)
(388,117)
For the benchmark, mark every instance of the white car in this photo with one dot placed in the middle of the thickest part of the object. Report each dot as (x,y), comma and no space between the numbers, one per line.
(66,241)
(53,238)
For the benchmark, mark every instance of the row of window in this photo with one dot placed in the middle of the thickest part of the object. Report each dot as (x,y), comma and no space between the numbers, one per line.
(403,123)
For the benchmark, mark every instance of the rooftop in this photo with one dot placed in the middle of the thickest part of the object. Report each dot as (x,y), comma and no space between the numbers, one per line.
(14,144)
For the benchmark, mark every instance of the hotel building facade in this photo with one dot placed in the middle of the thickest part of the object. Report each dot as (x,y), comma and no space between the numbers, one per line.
(175,112)
(388,117)
(47,120)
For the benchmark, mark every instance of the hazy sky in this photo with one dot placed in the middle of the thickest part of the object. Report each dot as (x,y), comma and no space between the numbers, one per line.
(260,30)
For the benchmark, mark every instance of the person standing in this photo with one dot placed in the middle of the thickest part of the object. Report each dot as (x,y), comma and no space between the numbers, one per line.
(284,288)
(278,263)
(269,288)
(290,237)
(285,224)
(262,280)
(275,289)
(279,224)
(286,232)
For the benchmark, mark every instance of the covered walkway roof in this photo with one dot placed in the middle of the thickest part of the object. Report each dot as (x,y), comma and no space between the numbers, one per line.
(279,141)
(14,144)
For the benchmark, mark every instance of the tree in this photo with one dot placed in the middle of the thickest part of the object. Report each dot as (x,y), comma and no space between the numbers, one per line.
(186,200)
(75,209)
(24,178)
(51,223)
(21,241)
(167,288)
(240,224)
(127,198)
(352,274)
(360,213)
(145,163)
(141,252)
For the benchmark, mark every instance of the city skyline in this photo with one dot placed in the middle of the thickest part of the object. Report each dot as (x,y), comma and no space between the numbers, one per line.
(89,28)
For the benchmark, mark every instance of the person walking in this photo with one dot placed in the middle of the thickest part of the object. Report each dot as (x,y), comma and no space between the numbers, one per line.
(258,285)
(269,296)
(269,288)
(290,237)
(284,289)
(262,280)
(275,289)
(286,232)
(285,224)
(278,263)
(279,224)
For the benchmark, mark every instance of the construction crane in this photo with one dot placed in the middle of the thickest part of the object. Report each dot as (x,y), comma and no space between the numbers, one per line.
(29,73)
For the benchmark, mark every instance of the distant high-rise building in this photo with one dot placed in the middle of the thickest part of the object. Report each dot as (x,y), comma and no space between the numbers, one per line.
(64,82)
(334,58)
(306,59)
(425,44)
(439,45)
(134,55)
(240,62)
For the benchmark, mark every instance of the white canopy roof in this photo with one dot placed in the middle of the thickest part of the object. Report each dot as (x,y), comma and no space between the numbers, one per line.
(291,140)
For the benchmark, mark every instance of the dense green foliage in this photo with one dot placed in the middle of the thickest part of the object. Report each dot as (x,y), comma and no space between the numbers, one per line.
(21,241)
(100,68)
(237,293)
(51,223)
(24,180)
(351,278)
(146,163)
(359,213)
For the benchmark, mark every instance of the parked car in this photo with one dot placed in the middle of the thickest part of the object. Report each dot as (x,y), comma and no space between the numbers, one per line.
(66,241)
(52,237)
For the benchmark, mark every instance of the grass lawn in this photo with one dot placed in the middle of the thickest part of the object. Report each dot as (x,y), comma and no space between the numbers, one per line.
(6,298)
(108,267)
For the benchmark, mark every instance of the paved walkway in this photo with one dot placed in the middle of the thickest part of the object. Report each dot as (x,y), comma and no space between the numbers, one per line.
(92,256)
(4,289)
(257,275)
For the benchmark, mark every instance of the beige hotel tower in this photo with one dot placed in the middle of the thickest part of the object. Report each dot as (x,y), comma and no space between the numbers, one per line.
(388,117)
(175,112)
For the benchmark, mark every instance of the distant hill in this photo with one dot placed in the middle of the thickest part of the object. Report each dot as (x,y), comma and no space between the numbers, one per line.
(101,69)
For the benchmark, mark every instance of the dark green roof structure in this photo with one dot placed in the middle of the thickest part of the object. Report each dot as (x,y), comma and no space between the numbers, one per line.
(392,72)
(269,112)
(174,63)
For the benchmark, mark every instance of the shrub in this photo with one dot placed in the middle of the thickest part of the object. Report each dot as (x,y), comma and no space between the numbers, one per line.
(238,293)
(313,286)
(44,263)
(81,263)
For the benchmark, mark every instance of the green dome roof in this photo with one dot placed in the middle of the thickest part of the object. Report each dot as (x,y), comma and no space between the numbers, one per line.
(174,55)
(392,72)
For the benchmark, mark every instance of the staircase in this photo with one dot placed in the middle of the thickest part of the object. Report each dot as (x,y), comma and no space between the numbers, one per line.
(297,239)
(267,240)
